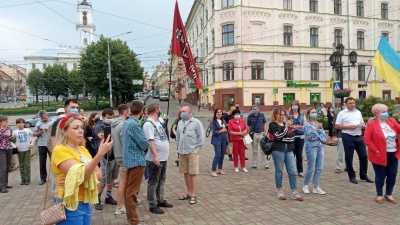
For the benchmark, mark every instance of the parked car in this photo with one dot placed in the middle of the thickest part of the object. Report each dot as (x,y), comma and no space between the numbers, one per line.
(3,100)
(32,121)
(142,99)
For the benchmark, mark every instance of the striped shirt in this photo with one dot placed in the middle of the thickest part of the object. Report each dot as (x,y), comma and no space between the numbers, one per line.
(133,144)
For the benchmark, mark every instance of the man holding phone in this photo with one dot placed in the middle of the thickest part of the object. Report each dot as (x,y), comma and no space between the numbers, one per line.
(109,166)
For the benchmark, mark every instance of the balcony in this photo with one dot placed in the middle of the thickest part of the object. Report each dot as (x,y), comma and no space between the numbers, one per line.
(199,61)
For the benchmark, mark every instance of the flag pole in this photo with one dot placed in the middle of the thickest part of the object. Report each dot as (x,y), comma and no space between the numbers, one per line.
(365,85)
(169,83)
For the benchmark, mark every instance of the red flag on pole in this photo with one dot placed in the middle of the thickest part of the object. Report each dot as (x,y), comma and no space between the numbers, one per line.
(181,47)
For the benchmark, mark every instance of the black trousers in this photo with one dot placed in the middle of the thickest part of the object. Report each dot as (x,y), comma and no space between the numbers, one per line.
(351,143)
(43,152)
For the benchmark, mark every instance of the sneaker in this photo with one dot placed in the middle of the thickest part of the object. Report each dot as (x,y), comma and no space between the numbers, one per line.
(119,211)
(338,171)
(138,202)
(156,210)
(318,190)
(23,182)
(110,201)
(297,197)
(305,189)
(237,170)
(253,167)
(266,167)
(281,196)
(27,182)
(245,170)
(98,206)
(165,204)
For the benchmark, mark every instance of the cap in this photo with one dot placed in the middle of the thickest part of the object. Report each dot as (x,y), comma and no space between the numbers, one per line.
(60,110)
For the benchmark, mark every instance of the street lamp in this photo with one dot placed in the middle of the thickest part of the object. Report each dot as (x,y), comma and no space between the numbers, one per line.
(109,66)
(336,63)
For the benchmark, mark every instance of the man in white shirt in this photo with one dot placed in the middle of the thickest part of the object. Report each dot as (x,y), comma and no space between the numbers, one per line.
(350,122)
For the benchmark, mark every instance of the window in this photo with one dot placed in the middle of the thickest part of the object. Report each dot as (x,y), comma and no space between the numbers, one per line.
(257,70)
(33,66)
(75,66)
(314,37)
(85,41)
(212,6)
(338,37)
(228,70)
(361,72)
(201,50)
(201,23)
(213,75)
(206,15)
(197,30)
(360,39)
(212,40)
(313,5)
(84,20)
(44,65)
(314,71)
(287,35)
(386,35)
(206,45)
(360,8)
(384,11)
(228,34)
(225,3)
(337,7)
(288,70)
(287,4)
(257,99)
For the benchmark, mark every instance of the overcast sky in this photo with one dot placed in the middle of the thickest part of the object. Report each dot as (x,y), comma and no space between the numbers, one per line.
(149,20)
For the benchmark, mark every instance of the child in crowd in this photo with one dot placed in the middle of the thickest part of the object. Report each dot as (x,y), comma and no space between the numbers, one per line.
(21,136)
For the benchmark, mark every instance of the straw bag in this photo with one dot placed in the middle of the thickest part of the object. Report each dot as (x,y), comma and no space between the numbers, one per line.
(55,213)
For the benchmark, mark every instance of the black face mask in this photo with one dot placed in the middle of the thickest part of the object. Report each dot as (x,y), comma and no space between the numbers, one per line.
(96,120)
(237,107)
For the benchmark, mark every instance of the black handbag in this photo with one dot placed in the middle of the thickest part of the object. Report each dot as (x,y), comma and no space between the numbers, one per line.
(15,151)
(171,134)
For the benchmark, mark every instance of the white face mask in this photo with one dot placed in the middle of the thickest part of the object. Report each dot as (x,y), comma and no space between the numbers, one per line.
(237,117)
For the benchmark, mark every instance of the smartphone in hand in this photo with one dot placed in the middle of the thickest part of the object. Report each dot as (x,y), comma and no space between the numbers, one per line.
(107,132)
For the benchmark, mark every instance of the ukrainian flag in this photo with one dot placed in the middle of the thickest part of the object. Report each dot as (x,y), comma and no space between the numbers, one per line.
(387,60)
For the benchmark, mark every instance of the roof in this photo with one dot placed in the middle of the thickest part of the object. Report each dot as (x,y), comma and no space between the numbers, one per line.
(56,52)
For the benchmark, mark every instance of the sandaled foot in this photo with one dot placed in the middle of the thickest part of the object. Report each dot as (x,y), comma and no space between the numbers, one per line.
(221,172)
(379,199)
(390,199)
(185,197)
(193,200)
(214,174)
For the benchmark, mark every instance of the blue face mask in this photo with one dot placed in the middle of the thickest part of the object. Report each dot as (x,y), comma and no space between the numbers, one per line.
(385,115)
(295,107)
(313,116)
(254,111)
(184,116)
(74,111)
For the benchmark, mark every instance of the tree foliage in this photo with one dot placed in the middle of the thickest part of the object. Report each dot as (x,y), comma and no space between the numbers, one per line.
(55,80)
(124,68)
(76,82)
(35,82)
(366,105)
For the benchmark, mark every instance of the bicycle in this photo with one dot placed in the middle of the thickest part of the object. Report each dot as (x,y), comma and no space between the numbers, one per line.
(208,131)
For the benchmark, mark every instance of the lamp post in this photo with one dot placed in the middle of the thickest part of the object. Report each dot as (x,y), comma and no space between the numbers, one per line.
(109,66)
(336,63)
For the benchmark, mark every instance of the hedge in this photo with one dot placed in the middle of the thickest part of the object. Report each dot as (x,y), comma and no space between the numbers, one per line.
(35,109)
(325,121)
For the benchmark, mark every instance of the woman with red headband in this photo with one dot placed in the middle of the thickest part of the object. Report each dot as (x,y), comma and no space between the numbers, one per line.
(66,155)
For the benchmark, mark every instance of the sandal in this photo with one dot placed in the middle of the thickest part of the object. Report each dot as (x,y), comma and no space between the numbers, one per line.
(116,184)
(185,197)
(193,200)
(301,175)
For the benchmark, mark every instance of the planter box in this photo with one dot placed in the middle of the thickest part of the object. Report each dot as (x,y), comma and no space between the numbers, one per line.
(342,94)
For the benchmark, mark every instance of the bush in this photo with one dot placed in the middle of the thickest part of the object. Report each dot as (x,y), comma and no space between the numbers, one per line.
(324,121)
(34,109)
(366,105)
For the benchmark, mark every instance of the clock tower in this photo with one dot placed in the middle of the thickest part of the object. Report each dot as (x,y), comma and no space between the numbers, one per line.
(85,25)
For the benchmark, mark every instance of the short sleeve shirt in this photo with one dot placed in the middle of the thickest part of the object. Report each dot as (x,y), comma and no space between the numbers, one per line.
(43,137)
(347,118)
(22,138)
(153,130)
(62,153)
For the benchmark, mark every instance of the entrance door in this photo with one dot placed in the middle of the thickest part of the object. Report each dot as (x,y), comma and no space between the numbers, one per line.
(386,95)
(315,95)
(228,101)
(288,97)
(362,94)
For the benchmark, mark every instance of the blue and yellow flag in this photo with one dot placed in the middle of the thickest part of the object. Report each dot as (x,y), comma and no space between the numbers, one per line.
(387,60)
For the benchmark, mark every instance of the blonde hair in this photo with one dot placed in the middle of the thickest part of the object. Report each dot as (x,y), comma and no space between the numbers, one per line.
(278,111)
(61,139)
(378,108)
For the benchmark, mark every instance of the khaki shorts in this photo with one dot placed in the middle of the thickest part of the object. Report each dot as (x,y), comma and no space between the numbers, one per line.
(121,167)
(189,163)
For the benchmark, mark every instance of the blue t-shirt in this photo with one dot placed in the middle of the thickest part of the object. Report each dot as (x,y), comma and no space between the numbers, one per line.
(252,120)
(298,121)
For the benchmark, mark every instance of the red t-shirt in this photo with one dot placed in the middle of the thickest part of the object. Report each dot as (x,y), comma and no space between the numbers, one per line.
(235,126)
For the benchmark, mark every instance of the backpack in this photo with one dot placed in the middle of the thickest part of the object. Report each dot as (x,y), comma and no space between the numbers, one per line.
(266,145)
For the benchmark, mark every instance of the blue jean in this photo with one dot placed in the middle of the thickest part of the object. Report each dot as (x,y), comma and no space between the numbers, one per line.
(155,188)
(389,172)
(298,152)
(81,216)
(287,158)
(219,156)
(315,164)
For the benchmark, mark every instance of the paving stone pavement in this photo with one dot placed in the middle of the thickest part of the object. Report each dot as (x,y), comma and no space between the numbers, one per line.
(234,198)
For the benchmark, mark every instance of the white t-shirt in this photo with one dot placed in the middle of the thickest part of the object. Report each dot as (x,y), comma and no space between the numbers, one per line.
(390,137)
(22,137)
(160,138)
(347,118)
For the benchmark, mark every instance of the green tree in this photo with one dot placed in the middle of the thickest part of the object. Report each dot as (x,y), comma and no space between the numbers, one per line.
(366,105)
(76,83)
(55,80)
(124,68)
(35,83)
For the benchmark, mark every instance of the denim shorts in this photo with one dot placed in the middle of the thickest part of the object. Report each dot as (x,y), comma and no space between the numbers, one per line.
(81,216)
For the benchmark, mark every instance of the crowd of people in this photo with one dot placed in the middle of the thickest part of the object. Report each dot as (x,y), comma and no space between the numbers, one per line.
(89,154)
